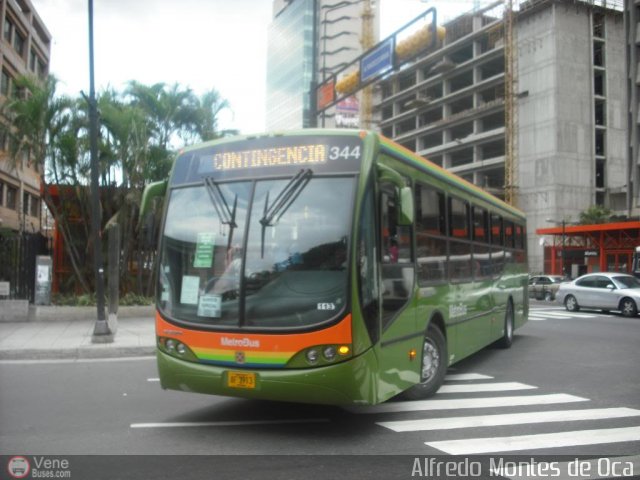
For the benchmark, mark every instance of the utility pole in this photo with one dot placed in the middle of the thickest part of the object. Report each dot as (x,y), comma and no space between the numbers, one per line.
(101,332)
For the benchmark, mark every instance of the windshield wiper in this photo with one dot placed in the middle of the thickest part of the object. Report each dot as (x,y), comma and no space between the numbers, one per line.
(286,197)
(226,215)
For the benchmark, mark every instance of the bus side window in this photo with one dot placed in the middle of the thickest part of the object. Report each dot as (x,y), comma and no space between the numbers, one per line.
(397,257)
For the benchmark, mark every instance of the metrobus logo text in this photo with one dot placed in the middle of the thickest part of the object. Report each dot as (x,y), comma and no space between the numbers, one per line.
(239,342)
(271,157)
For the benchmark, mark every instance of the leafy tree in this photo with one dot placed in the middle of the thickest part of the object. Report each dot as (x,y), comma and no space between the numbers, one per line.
(40,128)
(595,214)
(140,129)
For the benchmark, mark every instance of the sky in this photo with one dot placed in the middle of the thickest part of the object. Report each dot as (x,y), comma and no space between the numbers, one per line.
(201,44)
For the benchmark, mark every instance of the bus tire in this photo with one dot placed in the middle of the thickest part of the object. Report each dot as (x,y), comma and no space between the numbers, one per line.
(507,335)
(628,307)
(433,367)
(571,304)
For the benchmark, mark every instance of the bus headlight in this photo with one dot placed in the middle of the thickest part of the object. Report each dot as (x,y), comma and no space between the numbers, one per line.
(176,348)
(329,353)
(313,356)
(320,355)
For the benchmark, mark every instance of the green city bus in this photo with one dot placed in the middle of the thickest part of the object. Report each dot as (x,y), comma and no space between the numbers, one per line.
(328,266)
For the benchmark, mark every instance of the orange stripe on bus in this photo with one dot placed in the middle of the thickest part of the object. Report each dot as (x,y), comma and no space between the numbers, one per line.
(340,333)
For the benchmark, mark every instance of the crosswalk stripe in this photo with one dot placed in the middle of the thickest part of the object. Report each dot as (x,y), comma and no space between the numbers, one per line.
(484,387)
(532,442)
(467,376)
(508,419)
(538,318)
(459,403)
(570,314)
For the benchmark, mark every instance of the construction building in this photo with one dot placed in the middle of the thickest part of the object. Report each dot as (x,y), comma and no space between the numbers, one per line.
(527,100)
(24,49)
(309,40)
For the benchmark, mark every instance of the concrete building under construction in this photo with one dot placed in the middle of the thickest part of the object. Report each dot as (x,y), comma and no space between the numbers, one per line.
(562,146)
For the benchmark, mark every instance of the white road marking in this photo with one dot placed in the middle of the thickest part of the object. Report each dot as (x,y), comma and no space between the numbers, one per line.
(457,403)
(153,379)
(570,314)
(226,424)
(532,442)
(508,419)
(467,376)
(76,360)
(485,387)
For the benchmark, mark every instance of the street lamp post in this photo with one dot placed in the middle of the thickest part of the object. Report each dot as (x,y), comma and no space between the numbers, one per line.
(564,236)
(327,9)
(562,252)
(101,333)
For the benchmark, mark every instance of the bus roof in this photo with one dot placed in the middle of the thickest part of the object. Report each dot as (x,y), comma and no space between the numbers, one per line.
(449,177)
(387,145)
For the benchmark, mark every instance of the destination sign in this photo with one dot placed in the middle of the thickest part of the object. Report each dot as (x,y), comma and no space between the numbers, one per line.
(269,155)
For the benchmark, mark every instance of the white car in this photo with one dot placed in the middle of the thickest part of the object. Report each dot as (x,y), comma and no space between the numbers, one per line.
(604,291)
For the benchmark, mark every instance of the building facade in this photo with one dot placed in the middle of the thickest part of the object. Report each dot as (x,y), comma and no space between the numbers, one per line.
(632,29)
(570,123)
(301,56)
(24,49)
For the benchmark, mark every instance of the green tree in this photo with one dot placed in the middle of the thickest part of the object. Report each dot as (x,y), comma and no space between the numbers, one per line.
(140,130)
(43,128)
(209,106)
(595,214)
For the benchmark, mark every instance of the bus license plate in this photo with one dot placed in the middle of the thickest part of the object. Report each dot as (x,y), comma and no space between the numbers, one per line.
(241,380)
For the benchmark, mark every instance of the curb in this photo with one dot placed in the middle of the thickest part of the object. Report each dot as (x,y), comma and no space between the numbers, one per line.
(80,353)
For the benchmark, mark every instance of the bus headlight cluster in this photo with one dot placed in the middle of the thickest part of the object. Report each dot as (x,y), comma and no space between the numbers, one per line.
(326,354)
(175,348)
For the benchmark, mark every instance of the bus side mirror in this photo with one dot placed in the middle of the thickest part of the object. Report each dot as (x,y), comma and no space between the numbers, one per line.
(406,206)
(151,191)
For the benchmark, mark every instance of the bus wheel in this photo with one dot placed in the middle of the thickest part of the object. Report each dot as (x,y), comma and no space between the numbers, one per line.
(571,304)
(628,307)
(507,336)
(433,367)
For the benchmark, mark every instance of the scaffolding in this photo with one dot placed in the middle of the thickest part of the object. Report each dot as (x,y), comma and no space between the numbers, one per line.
(510,107)
(367,41)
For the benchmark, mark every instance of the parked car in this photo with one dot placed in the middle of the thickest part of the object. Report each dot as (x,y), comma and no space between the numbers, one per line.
(544,286)
(604,291)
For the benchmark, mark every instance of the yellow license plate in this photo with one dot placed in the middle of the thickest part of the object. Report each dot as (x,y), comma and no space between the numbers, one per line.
(241,380)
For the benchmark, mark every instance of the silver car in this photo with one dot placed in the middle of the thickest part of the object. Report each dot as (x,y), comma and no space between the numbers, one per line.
(604,291)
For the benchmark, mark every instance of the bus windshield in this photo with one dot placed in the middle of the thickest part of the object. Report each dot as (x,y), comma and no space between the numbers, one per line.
(264,254)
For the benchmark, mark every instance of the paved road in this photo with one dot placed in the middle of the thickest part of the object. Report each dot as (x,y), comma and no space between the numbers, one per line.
(570,385)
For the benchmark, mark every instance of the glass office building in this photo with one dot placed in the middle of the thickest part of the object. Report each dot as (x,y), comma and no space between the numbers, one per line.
(290,65)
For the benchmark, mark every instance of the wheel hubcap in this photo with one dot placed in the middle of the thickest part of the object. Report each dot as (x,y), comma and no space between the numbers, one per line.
(430,361)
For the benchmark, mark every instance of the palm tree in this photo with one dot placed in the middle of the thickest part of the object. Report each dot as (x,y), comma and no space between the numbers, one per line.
(210,105)
(41,127)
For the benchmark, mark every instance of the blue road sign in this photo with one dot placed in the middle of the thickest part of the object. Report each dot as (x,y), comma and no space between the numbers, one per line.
(378,61)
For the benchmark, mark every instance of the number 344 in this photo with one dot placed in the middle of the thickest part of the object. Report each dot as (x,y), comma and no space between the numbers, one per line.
(345,153)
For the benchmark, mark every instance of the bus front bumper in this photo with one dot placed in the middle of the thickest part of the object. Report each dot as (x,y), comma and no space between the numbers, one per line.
(345,383)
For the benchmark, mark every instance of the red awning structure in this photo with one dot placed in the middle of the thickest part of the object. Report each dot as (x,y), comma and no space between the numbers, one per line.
(602,247)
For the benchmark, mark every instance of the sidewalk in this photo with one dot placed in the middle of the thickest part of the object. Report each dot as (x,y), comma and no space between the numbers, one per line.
(51,337)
